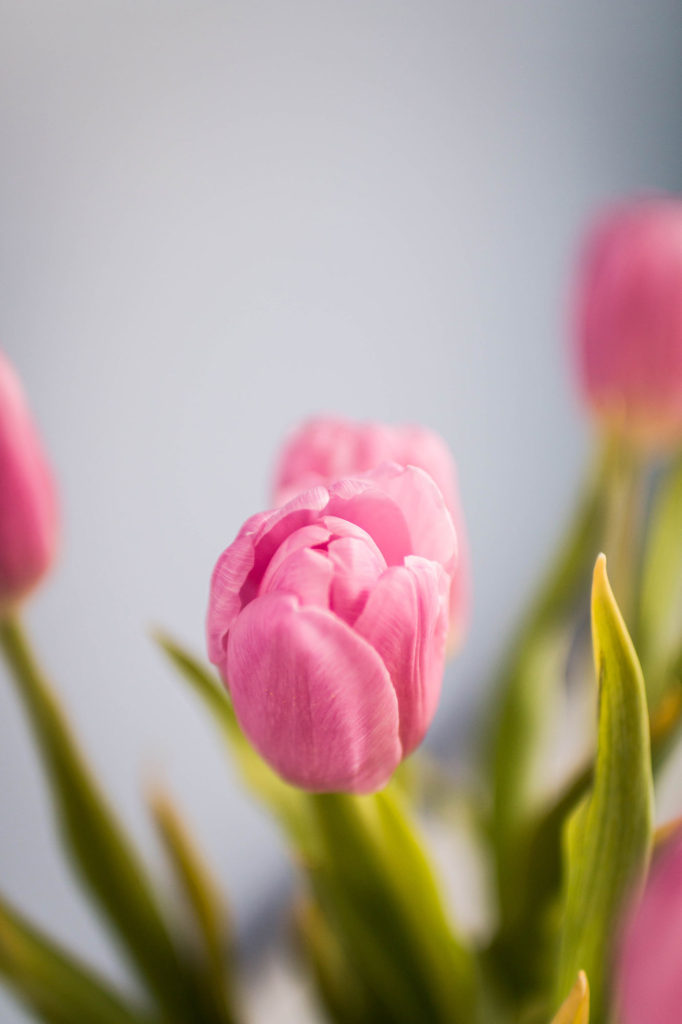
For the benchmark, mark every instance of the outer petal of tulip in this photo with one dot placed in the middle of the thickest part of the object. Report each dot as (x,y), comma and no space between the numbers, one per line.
(649,969)
(629,320)
(405,619)
(28,506)
(239,571)
(314,697)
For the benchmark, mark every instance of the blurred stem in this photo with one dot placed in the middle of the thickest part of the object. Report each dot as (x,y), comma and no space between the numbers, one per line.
(624,518)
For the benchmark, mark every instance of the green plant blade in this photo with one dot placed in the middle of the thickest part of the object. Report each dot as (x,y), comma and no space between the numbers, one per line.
(608,838)
(286,802)
(576,1008)
(528,682)
(376,889)
(341,992)
(53,984)
(97,844)
(204,902)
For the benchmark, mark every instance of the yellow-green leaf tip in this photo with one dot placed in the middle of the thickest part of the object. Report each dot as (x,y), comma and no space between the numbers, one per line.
(576,1009)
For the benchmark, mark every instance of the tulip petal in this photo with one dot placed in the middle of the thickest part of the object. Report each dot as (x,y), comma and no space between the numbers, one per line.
(240,569)
(357,567)
(405,619)
(314,698)
(358,500)
(432,534)
(307,574)
(232,568)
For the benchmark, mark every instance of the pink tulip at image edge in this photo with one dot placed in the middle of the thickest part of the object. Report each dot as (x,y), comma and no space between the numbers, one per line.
(328,620)
(28,505)
(328,448)
(649,975)
(629,320)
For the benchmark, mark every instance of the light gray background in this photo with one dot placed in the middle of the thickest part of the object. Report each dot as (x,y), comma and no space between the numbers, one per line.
(218,217)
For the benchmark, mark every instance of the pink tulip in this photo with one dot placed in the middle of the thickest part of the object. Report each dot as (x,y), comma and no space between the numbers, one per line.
(629,322)
(328,618)
(650,963)
(28,512)
(327,448)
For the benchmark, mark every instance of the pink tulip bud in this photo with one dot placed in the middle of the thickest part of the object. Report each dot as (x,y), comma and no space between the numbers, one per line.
(650,962)
(28,512)
(328,448)
(629,322)
(328,618)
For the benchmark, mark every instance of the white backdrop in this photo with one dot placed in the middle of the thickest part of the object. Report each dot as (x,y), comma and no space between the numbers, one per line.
(218,217)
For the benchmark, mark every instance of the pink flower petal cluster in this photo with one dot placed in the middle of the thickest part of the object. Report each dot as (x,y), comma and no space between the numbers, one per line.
(650,964)
(327,448)
(28,506)
(629,320)
(328,619)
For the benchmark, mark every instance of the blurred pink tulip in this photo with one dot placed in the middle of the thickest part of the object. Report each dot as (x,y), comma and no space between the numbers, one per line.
(629,320)
(328,618)
(28,509)
(650,963)
(328,448)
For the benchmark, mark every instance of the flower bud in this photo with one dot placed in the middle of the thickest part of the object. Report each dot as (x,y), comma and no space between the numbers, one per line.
(649,975)
(328,448)
(28,513)
(328,619)
(629,321)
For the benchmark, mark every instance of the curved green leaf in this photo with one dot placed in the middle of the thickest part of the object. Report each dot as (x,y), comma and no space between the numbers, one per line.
(530,676)
(97,843)
(204,902)
(54,984)
(286,802)
(608,838)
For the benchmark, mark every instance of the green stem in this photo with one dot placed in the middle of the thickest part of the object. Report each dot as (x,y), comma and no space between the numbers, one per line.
(624,518)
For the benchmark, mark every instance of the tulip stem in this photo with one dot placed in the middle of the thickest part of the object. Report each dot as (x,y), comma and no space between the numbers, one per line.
(625,508)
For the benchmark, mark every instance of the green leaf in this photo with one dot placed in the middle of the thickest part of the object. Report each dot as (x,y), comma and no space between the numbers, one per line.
(576,1008)
(341,991)
(286,802)
(376,888)
(97,844)
(204,902)
(608,838)
(56,986)
(659,634)
(531,674)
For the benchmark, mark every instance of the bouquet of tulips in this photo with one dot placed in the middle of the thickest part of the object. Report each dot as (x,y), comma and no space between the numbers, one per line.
(330,618)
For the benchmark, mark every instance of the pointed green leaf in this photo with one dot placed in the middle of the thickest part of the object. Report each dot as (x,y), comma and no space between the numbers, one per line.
(531,675)
(53,984)
(97,844)
(608,838)
(286,802)
(340,990)
(576,1009)
(203,899)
